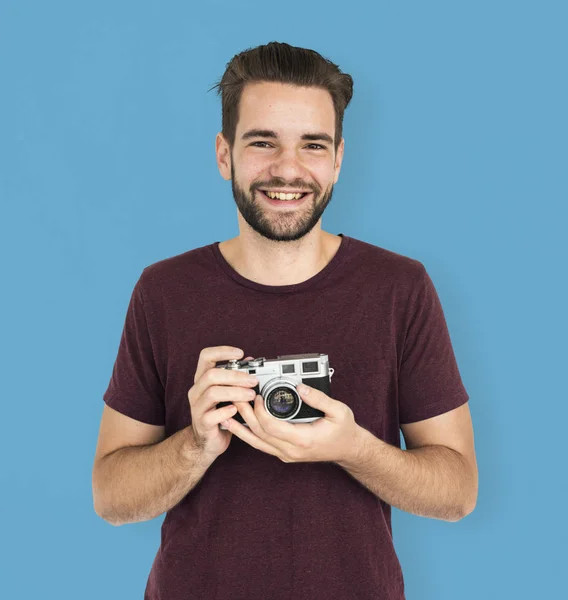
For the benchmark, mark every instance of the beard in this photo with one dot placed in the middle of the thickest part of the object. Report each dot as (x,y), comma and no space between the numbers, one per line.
(275,225)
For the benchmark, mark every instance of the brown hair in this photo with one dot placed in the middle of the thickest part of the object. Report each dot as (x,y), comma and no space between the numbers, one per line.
(281,62)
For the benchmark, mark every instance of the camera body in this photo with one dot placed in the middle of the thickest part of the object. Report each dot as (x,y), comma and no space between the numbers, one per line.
(278,379)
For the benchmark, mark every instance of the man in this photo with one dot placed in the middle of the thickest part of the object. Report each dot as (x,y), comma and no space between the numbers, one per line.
(276,510)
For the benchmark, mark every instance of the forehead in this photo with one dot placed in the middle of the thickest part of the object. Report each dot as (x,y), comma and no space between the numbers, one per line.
(285,108)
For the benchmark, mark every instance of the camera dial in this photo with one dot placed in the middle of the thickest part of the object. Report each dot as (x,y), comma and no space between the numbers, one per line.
(256,362)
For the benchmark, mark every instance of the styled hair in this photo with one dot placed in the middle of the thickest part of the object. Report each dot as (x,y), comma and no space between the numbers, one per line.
(283,63)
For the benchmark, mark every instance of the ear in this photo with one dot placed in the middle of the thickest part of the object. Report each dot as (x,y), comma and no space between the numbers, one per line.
(223,155)
(339,159)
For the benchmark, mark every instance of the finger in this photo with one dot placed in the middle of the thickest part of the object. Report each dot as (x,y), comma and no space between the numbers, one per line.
(245,434)
(235,392)
(332,409)
(279,434)
(209,389)
(209,357)
(214,417)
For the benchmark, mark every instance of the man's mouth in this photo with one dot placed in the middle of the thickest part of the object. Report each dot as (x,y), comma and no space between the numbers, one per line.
(282,199)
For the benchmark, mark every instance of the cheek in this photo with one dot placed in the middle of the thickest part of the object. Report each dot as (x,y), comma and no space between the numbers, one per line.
(322,171)
(254,171)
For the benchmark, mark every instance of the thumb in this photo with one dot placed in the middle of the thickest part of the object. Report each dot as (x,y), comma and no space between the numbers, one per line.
(317,399)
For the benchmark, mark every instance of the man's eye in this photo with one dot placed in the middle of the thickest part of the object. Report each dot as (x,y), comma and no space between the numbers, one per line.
(318,145)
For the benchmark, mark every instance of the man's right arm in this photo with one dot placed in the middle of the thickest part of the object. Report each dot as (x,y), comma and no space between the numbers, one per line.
(138,483)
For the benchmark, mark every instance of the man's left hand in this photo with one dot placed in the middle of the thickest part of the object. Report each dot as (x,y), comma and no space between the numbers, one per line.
(331,438)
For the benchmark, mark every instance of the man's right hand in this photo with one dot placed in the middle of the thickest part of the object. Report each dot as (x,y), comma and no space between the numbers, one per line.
(211,386)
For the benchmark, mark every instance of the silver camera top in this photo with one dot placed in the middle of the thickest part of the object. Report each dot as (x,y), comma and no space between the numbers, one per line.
(306,365)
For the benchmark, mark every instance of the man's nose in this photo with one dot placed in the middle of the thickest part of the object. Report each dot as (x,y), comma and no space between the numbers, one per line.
(288,166)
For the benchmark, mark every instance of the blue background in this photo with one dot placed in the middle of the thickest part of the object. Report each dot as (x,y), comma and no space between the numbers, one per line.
(455,154)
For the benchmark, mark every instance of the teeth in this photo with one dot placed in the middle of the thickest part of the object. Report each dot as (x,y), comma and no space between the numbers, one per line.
(278,196)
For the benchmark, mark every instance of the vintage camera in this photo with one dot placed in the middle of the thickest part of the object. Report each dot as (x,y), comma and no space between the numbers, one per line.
(277,381)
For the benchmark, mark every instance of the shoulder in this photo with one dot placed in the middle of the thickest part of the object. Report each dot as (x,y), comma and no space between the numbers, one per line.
(169,273)
(387,266)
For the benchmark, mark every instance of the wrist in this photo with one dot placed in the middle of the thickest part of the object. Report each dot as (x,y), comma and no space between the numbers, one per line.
(357,452)
(192,453)
(195,453)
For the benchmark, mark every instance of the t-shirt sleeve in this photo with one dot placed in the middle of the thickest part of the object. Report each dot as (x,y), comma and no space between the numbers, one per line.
(429,381)
(135,388)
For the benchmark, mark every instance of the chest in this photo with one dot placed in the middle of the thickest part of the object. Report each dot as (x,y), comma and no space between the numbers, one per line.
(354,331)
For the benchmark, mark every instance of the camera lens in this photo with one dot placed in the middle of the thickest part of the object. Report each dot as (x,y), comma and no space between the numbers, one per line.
(282,402)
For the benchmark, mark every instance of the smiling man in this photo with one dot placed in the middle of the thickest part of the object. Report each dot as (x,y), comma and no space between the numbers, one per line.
(258,507)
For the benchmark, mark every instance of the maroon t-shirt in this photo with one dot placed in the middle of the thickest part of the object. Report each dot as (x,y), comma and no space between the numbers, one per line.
(255,527)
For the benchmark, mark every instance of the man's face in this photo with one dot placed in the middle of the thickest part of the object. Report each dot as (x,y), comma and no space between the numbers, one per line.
(284,161)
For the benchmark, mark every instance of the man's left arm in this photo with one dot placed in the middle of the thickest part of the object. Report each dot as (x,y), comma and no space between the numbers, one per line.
(436,476)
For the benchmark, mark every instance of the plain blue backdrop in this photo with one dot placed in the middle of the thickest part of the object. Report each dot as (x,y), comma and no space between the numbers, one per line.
(455,154)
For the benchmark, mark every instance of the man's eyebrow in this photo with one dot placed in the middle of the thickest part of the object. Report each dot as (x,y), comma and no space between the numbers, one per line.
(268,133)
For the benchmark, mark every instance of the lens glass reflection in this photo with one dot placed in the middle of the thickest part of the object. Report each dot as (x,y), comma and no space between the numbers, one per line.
(282,402)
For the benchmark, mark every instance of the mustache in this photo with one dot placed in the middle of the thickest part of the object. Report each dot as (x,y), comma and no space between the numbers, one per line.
(271,186)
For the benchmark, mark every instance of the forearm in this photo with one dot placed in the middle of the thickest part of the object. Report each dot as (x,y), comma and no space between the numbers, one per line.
(139,483)
(431,481)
